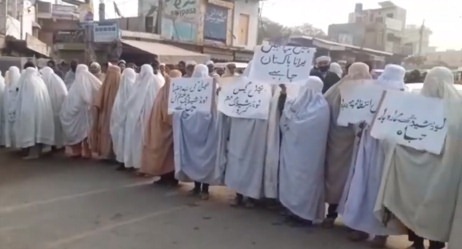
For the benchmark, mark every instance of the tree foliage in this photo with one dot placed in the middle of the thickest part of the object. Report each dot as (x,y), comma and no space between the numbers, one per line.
(275,32)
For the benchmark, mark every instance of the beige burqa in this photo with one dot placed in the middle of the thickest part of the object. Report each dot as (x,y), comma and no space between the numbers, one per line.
(100,137)
(421,189)
(341,140)
(158,151)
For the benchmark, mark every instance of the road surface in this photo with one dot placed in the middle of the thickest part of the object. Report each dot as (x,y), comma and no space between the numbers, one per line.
(59,203)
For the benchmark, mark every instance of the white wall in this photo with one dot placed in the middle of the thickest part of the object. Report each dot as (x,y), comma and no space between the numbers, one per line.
(249,7)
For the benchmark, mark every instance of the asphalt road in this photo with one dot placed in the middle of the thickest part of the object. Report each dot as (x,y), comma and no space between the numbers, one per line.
(59,203)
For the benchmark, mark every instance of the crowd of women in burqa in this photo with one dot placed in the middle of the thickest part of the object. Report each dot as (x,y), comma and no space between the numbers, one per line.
(297,160)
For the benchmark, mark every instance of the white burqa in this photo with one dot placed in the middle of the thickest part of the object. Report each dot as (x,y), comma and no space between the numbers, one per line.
(34,112)
(2,112)
(421,189)
(246,155)
(362,187)
(195,140)
(139,104)
(304,126)
(10,105)
(119,113)
(271,169)
(58,93)
(75,113)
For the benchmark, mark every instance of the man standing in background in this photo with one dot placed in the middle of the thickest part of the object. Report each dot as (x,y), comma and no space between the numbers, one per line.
(70,75)
(321,70)
(51,64)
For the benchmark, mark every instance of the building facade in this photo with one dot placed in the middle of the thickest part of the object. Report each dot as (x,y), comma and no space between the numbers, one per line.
(416,40)
(224,29)
(448,58)
(382,28)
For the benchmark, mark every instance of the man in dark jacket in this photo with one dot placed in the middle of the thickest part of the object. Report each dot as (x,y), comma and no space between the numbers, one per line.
(321,70)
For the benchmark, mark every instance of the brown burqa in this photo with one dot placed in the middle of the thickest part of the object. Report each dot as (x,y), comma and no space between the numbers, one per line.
(341,140)
(100,136)
(157,158)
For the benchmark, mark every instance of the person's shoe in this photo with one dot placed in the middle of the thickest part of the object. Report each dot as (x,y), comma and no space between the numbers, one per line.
(414,246)
(358,236)
(204,196)
(249,204)
(161,182)
(237,202)
(328,223)
(194,192)
(121,168)
(131,169)
(379,242)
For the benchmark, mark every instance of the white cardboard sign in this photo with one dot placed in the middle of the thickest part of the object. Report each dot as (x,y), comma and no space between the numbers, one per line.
(190,95)
(411,120)
(281,64)
(245,98)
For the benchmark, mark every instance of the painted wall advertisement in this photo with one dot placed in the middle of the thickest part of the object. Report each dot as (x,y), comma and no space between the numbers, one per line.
(216,23)
(181,19)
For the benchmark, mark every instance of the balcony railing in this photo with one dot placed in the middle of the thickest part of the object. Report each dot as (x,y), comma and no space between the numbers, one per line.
(69,37)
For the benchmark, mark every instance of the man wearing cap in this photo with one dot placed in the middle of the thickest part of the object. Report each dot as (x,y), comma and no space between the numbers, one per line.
(322,71)
(122,64)
(190,65)
(212,73)
(51,64)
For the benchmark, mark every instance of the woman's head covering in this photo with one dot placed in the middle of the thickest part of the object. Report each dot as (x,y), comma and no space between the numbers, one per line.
(358,71)
(175,73)
(200,71)
(13,76)
(439,83)
(129,75)
(146,70)
(336,68)
(112,75)
(47,73)
(315,84)
(392,77)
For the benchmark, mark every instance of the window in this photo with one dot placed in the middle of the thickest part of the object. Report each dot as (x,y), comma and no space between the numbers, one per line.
(390,15)
(149,24)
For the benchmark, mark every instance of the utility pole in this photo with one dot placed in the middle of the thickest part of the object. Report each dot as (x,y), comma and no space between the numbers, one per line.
(88,22)
(421,33)
(160,13)
(4,16)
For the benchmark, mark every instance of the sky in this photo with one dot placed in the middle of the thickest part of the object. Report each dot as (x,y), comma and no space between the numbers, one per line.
(445,20)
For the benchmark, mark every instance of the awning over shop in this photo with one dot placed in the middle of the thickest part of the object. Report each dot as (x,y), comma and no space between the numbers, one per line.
(167,53)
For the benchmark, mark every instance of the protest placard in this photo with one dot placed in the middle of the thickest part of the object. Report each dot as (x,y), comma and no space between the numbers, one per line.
(281,64)
(244,98)
(190,95)
(411,120)
(359,102)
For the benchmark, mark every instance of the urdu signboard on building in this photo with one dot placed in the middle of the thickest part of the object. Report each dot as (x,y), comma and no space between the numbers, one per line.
(180,20)
(216,23)
(106,32)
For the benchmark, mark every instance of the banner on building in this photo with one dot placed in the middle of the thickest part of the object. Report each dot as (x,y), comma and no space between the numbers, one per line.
(106,32)
(245,98)
(359,102)
(281,64)
(216,23)
(411,120)
(191,95)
